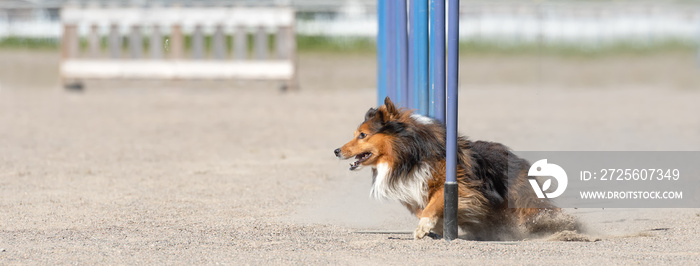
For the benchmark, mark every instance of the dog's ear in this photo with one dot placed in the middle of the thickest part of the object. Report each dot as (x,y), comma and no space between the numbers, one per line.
(376,114)
(384,113)
(371,113)
(390,108)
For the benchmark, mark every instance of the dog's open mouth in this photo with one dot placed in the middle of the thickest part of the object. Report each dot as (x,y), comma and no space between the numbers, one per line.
(360,158)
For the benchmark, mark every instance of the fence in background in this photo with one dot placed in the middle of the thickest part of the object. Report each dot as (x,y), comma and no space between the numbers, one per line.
(165,31)
(580,23)
(588,23)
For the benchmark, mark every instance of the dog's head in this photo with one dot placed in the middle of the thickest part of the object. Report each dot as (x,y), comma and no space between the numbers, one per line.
(370,145)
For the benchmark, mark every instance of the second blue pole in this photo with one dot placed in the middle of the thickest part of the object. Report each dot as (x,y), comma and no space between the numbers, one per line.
(451,188)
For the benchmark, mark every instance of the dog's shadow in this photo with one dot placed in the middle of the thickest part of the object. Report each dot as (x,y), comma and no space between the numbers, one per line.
(431,235)
(566,236)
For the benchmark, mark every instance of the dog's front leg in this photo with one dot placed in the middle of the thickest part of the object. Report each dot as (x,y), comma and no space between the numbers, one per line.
(431,216)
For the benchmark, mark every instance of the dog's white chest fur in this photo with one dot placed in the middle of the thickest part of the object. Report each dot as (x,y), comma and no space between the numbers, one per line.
(410,190)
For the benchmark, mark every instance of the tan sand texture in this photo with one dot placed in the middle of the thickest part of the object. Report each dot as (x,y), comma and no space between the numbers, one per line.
(134,173)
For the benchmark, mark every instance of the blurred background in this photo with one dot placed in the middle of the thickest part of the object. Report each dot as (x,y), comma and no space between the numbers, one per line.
(540,43)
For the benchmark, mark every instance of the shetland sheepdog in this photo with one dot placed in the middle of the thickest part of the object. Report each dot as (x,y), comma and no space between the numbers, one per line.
(406,153)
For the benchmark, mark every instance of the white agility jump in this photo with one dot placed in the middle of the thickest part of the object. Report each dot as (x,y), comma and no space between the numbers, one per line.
(156,46)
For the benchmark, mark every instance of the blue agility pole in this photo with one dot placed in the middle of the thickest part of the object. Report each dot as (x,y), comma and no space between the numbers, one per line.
(402,53)
(412,99)
(392,46)
(437,60)
(381,51)
(414,76)
(391,54)
(450,226)
(418,61)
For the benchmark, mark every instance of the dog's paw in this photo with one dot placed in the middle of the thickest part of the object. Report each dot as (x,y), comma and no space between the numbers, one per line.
(419,233)
(424,226)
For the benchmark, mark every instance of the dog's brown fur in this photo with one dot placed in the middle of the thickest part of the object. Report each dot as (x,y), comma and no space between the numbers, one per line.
(407,152)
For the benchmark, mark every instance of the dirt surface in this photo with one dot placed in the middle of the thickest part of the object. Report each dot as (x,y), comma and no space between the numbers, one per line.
(189,174)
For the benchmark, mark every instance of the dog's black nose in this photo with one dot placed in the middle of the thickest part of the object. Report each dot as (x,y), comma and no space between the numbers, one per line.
(337,152)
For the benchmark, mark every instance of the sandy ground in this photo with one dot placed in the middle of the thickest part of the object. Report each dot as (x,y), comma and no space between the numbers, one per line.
(200,174)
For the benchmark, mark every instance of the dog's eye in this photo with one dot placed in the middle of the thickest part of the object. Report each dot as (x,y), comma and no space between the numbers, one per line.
(362,136)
